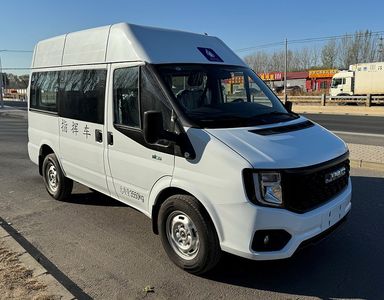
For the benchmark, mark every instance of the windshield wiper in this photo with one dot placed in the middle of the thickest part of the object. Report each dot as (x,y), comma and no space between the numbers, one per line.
(223,121)
(273,113)
(274,116)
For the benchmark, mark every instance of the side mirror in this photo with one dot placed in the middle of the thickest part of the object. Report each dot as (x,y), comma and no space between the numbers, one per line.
(288,105)
(153,126)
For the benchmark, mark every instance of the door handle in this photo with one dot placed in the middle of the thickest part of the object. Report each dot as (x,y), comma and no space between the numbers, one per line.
(98,135)
(110,138)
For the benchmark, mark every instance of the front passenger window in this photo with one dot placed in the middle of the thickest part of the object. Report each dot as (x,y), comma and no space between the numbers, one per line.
(125,97)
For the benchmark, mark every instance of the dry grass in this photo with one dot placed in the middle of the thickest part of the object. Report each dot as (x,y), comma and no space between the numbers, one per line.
(16,280)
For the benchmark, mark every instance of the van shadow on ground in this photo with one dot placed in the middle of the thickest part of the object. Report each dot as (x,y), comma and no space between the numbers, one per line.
(92,198)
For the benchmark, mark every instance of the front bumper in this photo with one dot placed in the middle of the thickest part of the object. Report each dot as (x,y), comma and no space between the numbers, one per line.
(242,221)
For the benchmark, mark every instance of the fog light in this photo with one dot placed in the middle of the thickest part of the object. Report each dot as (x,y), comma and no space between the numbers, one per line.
(270,240)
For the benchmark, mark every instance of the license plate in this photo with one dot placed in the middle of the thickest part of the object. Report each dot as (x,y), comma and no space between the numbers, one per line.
(333,216)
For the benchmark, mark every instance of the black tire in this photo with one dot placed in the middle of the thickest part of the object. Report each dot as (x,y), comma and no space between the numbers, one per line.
(57,185)
(196,258)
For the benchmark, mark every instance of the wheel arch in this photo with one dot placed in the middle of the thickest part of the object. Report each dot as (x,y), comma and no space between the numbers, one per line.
(171,191)
(43,152)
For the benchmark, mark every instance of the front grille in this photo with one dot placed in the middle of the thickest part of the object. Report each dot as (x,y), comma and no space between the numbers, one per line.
(305,189)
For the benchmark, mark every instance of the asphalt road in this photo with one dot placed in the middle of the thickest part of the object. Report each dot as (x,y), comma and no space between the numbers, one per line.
(358,124)
(109,250)
(366,130)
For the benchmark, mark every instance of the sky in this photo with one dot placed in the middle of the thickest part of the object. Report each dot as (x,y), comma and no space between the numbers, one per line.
(240,24)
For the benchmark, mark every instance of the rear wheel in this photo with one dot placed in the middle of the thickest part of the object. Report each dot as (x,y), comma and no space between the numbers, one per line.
(57,185)
(188,235)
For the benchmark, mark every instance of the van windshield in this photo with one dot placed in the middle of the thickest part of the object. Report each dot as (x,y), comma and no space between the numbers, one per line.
(217,96)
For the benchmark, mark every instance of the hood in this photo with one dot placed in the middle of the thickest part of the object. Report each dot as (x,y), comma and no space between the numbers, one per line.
(288,145)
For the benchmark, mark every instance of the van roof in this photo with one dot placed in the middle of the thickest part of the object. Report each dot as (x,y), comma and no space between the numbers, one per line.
(128,42)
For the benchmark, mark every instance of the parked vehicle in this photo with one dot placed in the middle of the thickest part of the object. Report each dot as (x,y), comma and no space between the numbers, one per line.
(292,90)
(141,114)
(243,92)
(360,79)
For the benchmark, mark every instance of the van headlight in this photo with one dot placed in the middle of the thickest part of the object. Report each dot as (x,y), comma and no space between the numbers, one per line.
(270,188)
(264,187)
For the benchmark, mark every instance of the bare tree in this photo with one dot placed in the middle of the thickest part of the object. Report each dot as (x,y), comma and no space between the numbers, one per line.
(294,60)
(329,54)
(363,46)
(368,48)
(304,59)
(258,61)
(314,57)
(276,62)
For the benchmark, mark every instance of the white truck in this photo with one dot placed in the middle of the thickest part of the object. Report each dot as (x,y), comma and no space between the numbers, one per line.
(141,114)
(360,79)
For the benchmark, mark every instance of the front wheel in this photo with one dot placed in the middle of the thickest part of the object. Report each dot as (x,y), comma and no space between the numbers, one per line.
(188,235)
(57,185)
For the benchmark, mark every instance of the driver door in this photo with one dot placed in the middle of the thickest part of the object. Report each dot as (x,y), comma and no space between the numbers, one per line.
(134,165)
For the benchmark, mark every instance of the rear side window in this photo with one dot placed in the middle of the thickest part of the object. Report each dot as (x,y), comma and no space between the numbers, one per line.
(44,91)
(82,95)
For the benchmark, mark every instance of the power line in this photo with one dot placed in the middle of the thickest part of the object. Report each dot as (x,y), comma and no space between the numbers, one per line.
(308,40)
(13,51)
(8,68)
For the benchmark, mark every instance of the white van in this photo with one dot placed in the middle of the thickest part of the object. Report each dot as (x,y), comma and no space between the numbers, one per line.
(150,117)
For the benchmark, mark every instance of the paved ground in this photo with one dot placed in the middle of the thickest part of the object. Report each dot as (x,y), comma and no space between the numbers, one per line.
(367,156)
(346,123)
(13,113)
(22,277)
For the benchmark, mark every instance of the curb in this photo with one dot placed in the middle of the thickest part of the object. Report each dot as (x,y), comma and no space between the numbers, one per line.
(358,163)
(17,114)
(39,273)
(375,111)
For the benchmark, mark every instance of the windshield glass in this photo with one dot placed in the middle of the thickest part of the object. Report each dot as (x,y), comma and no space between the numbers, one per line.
(216,96)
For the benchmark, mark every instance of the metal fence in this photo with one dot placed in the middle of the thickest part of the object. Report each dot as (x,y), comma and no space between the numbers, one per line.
(326,100)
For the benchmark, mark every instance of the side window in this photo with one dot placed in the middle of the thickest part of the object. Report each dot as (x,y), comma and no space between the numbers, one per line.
(82,95)
(152,98)
(323,85)
(126,97)
(44,90)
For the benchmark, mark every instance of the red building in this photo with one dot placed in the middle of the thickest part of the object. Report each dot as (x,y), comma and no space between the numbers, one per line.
(303,81)
(308,81)
(320,80)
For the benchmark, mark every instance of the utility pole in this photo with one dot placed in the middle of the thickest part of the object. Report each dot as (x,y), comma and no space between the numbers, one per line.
(285,70)
(1,85)
(381,49)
